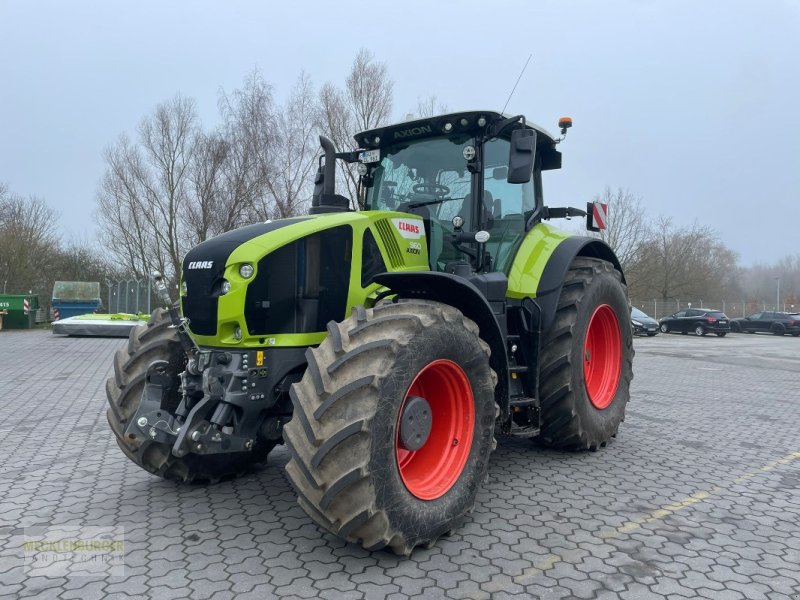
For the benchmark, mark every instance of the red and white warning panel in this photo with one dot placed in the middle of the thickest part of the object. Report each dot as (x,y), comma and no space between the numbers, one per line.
(26,306)
(596,216)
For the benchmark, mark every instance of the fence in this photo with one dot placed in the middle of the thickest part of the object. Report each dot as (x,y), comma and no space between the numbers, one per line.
(129,296)
(658,308)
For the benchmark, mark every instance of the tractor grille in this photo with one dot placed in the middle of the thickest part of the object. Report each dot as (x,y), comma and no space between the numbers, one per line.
(200,303)
(302,285)
(390,243)
(204,269)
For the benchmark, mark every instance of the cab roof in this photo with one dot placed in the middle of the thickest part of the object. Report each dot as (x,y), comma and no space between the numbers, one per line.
(461,122)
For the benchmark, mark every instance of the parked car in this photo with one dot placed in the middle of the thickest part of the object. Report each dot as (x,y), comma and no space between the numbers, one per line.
(643,324)
(776,323)
(698,320)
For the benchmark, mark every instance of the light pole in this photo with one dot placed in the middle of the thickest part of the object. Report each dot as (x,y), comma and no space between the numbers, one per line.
(778,298)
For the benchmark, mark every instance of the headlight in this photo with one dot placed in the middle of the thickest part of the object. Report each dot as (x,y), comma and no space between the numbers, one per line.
(635,322)
(237,333)
(246,271)
(226,286)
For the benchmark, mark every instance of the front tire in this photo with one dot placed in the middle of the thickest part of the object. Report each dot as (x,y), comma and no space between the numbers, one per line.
(722,334)
(586,364)
(352,464)
(157,340)
(664,328)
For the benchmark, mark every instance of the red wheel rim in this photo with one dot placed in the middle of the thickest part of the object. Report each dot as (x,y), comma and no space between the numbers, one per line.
(602,357)
(429,472)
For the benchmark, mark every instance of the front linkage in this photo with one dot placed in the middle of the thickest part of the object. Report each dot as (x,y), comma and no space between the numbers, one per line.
(224,402)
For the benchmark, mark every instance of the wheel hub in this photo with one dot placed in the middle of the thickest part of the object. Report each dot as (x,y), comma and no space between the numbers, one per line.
(415,423)
(434,429)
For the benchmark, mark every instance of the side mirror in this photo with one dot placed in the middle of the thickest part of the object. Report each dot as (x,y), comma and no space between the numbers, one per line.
(521,155)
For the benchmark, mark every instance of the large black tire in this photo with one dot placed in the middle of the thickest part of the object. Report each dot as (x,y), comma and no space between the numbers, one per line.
(343,438)
(147,343)
(664,328)
(570,419)
(778,329)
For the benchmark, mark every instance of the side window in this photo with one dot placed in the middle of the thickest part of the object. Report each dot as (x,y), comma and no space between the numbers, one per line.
(504,200)
(679,314)
(756,316)
(506,206)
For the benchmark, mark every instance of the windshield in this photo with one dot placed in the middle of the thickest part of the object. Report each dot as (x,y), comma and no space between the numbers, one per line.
(427,171)
(637,314)
(430,178)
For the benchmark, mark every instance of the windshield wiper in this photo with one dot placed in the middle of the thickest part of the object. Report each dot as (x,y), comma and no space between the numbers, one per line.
(429,202)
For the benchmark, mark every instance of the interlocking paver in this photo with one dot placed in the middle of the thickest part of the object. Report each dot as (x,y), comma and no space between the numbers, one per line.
(708,416)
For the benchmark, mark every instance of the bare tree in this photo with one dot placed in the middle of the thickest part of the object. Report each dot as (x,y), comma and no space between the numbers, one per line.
(249,128)
(626,228)
(143,195)
(429,107)
(206,216)
(294,151)
(28,241)
(364,103)
(685,262)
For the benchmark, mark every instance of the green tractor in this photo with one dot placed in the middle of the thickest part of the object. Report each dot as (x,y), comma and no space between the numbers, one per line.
(387,347)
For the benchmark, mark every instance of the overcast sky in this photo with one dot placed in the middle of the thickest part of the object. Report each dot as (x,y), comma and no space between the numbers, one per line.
(692,105)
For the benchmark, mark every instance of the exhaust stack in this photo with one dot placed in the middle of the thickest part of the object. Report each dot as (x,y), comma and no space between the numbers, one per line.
(325,198)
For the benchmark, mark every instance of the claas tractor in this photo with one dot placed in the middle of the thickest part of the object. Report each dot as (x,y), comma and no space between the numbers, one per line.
(387,340)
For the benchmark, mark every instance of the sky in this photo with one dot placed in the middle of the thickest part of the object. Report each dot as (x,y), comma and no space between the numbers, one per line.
(691,105)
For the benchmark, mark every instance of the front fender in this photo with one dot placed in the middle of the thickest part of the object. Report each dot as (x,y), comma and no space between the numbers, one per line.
(463,295)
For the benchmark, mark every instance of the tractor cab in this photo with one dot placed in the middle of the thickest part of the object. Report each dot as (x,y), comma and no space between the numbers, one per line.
(467,175)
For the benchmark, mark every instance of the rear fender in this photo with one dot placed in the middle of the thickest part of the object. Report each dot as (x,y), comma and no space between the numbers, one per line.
(555,271)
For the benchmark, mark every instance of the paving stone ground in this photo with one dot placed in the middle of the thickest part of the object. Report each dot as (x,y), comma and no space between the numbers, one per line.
(699,496)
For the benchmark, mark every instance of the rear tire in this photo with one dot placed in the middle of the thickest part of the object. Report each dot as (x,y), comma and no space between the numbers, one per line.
(699,330)
(580,409)
(778,329)
(348,466)
(146,343)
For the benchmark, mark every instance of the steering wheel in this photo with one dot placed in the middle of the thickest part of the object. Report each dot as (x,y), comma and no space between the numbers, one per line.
(435,189)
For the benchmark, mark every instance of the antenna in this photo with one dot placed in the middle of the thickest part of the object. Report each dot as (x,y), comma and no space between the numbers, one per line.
(515,85)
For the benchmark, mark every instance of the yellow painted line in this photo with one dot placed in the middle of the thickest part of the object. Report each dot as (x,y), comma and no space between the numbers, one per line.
(660,513)
(539,567)
(548,562)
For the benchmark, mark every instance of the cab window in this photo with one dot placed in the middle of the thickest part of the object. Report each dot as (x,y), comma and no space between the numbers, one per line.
(506,206)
